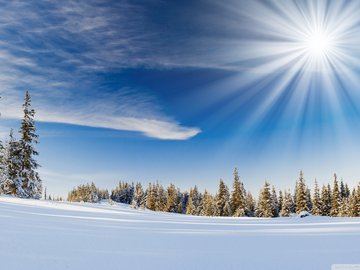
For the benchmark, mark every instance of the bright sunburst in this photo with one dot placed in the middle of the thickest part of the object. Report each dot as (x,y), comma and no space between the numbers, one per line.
(318,43)
(304,58)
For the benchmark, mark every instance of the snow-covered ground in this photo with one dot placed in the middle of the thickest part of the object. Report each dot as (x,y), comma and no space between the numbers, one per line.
(49,235)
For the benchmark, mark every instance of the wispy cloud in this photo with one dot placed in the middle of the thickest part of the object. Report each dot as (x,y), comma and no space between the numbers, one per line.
(56,50)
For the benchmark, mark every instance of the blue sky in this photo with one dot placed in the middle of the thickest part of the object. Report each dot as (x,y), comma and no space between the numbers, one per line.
(184,91)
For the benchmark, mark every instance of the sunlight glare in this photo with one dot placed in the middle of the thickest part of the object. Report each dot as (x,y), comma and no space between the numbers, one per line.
(318,43)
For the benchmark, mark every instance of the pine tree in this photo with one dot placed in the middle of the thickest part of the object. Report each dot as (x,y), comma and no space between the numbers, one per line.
(316,203)
(286,204)
(209,208)
(326,200)
(280,200)
(357,201)
(250,205)
(171,199)
(222,199)
(352,205)
(264,208)
(161,198)
(139,197)
(184,202)
(344,208)
(342,190)
(301,200)
(2,165)
(31,182)
(347,191)
(275,203)
(308,200)
(335,204)
(151,197)
(194,202)
(190,208)
(10,182)
(237,201)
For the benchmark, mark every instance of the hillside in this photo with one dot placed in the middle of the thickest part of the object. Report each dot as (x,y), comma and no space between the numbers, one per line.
(58,235)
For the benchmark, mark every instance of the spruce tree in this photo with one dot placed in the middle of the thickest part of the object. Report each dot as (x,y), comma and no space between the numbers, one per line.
(195,204)
(336,200)
(301,198)
(275,203)
(208,208)
(357,201)
(280,200)
(161,198)
(326,200)
(11,183)
(286,205)
(342,190)
(265,206)
(344,208)
(308,200)
(316,203)
(31,182)
(352,205)
(222,199)
(184,202)
(237,201)
(139,197)
(151,197)
(250,205)
(190,208)
(171,199)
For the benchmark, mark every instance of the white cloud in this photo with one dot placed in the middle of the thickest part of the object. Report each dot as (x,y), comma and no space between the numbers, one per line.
(138,116)
(56,54)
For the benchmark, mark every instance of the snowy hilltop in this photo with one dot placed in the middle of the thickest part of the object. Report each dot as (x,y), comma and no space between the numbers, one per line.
(38,234)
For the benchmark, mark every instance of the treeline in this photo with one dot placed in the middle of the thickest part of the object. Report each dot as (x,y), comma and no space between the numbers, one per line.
(18,174)
(336,200)
(87,193)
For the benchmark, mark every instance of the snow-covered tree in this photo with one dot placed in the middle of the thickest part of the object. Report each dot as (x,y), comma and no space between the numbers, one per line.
(172,199)
(31,182)
(316,203)
(354,205)
(237,200)
(184,197)
(344,208)
(10,179)
(265,206)
(123,193)
(208,205)
(336,199)
(222,200)
(190,208)
(326,200)
(151,197)
(196,198)
(280,200)
(250,205)
(308,200)
(275,203)
(138,199)
(161,198)
(286,204)
(301,197)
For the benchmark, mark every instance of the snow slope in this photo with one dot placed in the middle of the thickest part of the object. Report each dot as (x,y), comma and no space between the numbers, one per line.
(53,235)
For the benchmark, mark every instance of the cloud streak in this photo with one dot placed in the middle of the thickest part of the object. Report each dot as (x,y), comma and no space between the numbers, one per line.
(57,50)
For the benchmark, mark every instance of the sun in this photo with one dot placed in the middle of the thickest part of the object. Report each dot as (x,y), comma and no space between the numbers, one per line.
(318,43)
